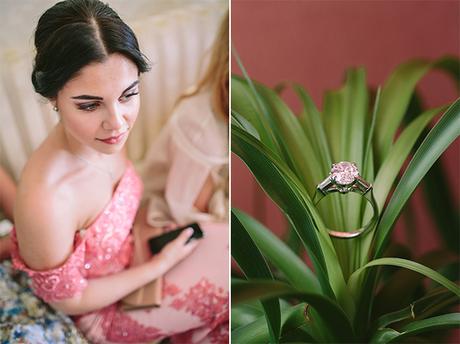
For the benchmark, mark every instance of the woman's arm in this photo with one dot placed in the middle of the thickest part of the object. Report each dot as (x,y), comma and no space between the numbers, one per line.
(7,194)
(7,199)
(45,233)
(107,290)
(204,196)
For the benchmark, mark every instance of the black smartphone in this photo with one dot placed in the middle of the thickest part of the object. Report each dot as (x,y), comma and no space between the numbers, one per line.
(157,243)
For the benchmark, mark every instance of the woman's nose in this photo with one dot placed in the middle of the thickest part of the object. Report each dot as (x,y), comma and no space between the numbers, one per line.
(115,120)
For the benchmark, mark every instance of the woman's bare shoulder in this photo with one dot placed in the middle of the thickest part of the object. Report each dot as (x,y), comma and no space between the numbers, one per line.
(44,220)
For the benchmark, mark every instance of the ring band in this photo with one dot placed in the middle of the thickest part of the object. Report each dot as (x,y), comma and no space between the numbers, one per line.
(344,178)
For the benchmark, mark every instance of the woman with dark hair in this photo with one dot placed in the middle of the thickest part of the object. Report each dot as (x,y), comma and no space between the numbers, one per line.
(78,195)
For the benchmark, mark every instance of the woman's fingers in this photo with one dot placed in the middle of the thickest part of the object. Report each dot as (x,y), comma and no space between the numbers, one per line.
(177,249)
(183,238)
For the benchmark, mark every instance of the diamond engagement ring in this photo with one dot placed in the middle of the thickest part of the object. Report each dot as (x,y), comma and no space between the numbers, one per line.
(345,178)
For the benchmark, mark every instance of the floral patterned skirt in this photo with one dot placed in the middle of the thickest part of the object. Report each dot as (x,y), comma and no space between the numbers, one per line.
(24,318)
(194,306)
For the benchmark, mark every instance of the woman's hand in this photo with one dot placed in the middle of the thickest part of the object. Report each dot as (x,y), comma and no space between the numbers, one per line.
(176,250)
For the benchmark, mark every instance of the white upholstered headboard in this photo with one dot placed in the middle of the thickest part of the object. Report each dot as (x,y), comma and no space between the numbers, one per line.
(176,42)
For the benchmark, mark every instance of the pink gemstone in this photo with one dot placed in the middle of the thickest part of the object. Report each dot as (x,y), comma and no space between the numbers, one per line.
(344,172)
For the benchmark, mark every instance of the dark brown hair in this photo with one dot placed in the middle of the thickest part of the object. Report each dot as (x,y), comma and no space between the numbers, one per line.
(75,33)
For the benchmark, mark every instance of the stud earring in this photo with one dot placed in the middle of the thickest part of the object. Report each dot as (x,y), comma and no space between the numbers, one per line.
(55,108)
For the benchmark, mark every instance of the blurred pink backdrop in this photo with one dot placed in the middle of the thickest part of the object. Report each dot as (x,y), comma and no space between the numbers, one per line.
(313,42)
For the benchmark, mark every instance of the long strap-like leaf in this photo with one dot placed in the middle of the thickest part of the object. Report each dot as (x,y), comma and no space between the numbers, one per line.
(444,321)
(282,187)
(279,254)
(331,315)
(439,138)
(420,308)
(256,331)
(407,264)
(253,264)
(392,165)
(246,105)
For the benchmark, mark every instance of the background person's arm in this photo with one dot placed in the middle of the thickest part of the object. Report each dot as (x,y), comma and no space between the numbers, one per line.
(7,194)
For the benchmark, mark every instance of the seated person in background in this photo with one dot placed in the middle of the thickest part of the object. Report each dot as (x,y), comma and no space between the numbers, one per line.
(7,198)
(186,169)
(185,175)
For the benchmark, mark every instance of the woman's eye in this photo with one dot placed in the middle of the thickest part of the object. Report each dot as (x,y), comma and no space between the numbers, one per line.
(88,107)
(127,96)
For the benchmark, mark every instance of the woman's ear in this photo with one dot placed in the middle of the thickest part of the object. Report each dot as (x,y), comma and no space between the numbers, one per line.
(53,102)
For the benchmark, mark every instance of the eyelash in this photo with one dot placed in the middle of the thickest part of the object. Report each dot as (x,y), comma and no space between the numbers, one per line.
(92,106)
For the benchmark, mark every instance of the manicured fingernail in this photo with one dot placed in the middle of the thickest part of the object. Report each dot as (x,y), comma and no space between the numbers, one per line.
(189,230)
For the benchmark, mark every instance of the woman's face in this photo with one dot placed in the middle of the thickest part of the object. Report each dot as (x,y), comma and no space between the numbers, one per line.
(100,105)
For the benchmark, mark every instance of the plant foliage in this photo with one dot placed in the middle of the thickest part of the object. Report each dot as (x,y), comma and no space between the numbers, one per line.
(289,154)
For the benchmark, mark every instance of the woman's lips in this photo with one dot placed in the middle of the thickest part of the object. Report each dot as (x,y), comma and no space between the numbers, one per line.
(114,139)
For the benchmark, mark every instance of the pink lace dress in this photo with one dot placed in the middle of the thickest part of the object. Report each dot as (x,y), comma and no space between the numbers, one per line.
(195,296)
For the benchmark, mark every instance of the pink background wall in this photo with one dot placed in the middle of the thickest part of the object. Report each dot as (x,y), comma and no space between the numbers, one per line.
(313,42)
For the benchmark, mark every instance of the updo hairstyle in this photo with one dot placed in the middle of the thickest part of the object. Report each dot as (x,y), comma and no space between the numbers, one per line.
(74,33)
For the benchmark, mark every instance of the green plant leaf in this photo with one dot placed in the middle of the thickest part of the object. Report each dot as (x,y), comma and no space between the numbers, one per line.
(418,309)
(396,95)
(310,120)
(391,166)
(435,184)
(332,119)
(284,189)
(368,171)
(245,104)
(407,264)
(312,124)
(244,124)
(292,240)
(450,65)
(257,331)
(437,191)
(280,187)
(399,153)
(445,321)
(246,313)
(331,315)
(384,335)
(296,271)
(405,283)
(357,104)
(253,264)
(290,135)
(439,138)
(332,112)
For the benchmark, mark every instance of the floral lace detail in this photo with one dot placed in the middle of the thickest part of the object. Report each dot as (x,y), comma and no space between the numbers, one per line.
(121,328)
(56,284)
(170,289)
(205,301)
(220,334)
(105,248)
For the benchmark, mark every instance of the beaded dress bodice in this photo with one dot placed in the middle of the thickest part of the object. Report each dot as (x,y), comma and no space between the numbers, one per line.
(105,247)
